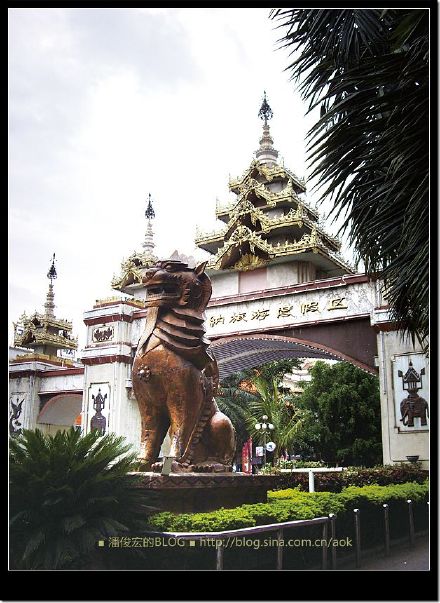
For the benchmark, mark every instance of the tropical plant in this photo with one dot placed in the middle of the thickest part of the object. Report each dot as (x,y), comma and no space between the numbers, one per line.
(234,400)
(345,405)
(237,392)
(67,492)
(368,72)
(288,420)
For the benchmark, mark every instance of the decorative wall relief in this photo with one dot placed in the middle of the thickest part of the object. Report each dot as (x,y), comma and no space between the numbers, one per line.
(411,392)
(98,421)
(413,405)
(15,426)
(101,334)
(99,407)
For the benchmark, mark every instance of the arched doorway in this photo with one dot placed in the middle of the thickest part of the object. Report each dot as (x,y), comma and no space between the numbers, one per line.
(243,352)
(60,412)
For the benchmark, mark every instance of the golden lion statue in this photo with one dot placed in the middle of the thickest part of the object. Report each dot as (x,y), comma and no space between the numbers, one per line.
(175,376)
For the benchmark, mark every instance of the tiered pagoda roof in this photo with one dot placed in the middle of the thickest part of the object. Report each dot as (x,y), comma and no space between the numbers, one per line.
(269,220)
(44,332)
(41,330)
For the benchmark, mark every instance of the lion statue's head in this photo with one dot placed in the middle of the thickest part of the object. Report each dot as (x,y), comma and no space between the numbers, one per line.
(172,283)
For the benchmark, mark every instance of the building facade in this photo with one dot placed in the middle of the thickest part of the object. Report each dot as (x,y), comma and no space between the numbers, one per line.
(280,289)
(45,381)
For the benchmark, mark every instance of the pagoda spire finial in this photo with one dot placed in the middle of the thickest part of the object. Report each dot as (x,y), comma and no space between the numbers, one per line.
(49,306)
(266,152)
(149,212)
(265,111)
(52,274)
(148,243)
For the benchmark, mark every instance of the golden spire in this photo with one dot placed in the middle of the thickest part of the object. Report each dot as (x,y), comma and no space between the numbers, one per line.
(148,243)
(266,152)
(49,306)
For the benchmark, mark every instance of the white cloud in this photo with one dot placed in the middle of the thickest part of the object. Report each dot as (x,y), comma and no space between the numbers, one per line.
(107,105)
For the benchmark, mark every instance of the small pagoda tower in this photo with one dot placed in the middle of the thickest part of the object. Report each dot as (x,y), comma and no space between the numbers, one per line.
(133,268)
(114,326)
(44,333)
(270,224)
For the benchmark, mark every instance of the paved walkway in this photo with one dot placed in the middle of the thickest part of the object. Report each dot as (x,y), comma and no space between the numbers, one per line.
(401,558)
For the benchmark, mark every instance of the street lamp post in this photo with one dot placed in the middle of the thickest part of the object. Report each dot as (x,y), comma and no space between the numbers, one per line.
(264,428)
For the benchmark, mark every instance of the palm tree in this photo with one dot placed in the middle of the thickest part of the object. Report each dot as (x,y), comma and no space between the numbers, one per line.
(368,72)
(234,399)
(67,492)
(281,411)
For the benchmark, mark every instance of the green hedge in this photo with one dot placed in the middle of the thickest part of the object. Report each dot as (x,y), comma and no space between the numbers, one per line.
(369,500)
(291,504)
(283,506)
(354,476)
(356,497)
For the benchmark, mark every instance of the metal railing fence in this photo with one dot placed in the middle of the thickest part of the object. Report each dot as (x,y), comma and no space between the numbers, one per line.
(223,539)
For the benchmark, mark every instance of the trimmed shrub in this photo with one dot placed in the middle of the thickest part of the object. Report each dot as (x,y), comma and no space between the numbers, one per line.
(286,505)
(215,521)
(369,500)
(240,517)
(357,497)
(353,476)
(289,505)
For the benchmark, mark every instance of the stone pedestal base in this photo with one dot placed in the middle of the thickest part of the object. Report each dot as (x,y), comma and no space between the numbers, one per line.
(197,492)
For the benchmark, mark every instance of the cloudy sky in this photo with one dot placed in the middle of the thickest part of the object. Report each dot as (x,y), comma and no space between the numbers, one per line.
(108,105)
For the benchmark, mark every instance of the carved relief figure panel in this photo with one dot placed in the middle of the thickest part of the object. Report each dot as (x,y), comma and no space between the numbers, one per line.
(15,411)
(99,407)
(411,393)
(102,334)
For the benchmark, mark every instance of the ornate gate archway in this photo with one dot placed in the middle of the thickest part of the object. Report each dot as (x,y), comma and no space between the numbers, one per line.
(324,319)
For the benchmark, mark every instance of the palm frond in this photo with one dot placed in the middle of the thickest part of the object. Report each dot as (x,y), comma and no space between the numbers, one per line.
(368,70)
(68,490)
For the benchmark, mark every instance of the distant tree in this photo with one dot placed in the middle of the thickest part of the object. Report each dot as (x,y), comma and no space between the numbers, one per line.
(345,420)
(368,71)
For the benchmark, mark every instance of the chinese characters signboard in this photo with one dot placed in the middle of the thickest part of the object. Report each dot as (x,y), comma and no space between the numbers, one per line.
(286,310)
